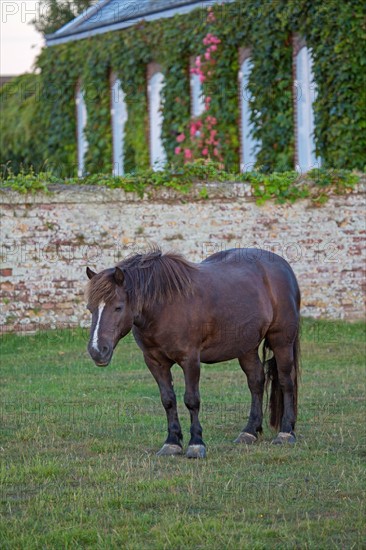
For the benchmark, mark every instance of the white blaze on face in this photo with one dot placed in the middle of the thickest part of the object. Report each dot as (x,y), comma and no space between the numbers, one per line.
(96,330)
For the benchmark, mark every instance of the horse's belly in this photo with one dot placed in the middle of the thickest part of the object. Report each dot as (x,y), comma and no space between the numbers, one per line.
(217,354)
(209,359)
(231,340)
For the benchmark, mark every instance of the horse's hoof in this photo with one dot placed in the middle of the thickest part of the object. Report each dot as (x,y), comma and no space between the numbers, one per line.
(196,451)
(284,437)
(170,449)
(246,437)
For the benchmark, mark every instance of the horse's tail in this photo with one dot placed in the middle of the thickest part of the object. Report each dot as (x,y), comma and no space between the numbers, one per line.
(276,396)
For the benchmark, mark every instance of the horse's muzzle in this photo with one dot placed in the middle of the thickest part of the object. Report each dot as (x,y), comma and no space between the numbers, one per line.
(101,357)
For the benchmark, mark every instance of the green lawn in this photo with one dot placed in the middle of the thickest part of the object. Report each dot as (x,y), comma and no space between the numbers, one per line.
(78,445)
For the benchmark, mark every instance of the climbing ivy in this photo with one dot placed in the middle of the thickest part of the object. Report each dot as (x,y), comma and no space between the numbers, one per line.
(335,32)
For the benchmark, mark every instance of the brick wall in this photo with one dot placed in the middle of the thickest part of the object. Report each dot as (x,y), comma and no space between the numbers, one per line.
(48,240)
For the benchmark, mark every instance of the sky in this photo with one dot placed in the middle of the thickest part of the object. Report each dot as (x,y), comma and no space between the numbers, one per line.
(20,43)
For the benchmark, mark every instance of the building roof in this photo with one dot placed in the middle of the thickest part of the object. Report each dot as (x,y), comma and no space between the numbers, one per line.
(109,15)
(5,78)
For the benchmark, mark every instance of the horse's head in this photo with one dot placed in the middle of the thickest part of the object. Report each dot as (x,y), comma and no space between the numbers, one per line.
(112,318)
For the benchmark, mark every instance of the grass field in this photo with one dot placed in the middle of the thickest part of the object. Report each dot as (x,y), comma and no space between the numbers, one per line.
(78,443)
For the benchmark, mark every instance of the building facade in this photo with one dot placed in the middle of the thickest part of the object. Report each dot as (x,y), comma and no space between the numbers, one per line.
(238,82)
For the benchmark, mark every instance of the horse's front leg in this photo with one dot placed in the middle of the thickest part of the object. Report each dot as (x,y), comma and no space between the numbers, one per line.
(163,376)
(191,369)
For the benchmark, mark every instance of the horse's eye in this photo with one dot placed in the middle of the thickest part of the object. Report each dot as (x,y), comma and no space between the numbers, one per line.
(118,309)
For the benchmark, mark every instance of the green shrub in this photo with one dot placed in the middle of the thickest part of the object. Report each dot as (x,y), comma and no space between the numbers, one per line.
(279,186)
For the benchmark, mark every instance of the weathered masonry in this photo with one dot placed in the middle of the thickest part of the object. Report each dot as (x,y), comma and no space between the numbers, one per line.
(48,240)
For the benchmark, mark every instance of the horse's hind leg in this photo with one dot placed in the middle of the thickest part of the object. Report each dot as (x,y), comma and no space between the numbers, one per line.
(283,400)
(253,368)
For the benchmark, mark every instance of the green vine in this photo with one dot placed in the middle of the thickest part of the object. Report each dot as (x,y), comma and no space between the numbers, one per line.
(45,135)
(279,186)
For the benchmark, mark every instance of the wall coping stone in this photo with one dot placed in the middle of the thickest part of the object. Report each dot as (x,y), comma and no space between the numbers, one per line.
(72,194)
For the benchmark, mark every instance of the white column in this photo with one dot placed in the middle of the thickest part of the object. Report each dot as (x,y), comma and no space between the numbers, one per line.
(305,89)
(81,118)
(119,118)
(198,101)
(157,152)
(249,145)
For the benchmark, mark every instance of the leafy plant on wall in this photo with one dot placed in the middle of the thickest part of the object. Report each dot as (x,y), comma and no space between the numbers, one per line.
(200,139)
(334,32)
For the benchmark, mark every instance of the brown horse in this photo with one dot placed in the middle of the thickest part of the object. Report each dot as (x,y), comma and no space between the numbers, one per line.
(186,313)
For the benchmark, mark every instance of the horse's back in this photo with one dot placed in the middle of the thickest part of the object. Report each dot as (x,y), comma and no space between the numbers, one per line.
(246,256)
(260,268)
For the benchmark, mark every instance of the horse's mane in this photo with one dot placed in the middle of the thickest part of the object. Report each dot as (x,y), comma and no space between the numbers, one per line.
(149,279)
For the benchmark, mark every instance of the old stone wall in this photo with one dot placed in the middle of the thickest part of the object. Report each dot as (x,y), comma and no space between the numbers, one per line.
(49,239)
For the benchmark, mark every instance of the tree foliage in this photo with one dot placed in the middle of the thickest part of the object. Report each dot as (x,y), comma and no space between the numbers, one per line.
(21,132)
(53,14)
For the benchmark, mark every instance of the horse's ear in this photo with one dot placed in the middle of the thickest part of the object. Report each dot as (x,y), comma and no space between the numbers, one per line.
(90,273)
(119,276)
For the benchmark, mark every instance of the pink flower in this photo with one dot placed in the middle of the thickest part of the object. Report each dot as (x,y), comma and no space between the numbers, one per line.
(207,40)
(187,154)
(202,78)
(177,150)
(211,39)
(181,138)
(210,14)
(198,61)
(205,152)
(194,129)
(196,71)
(207,55)
(213,48)
(216,152)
